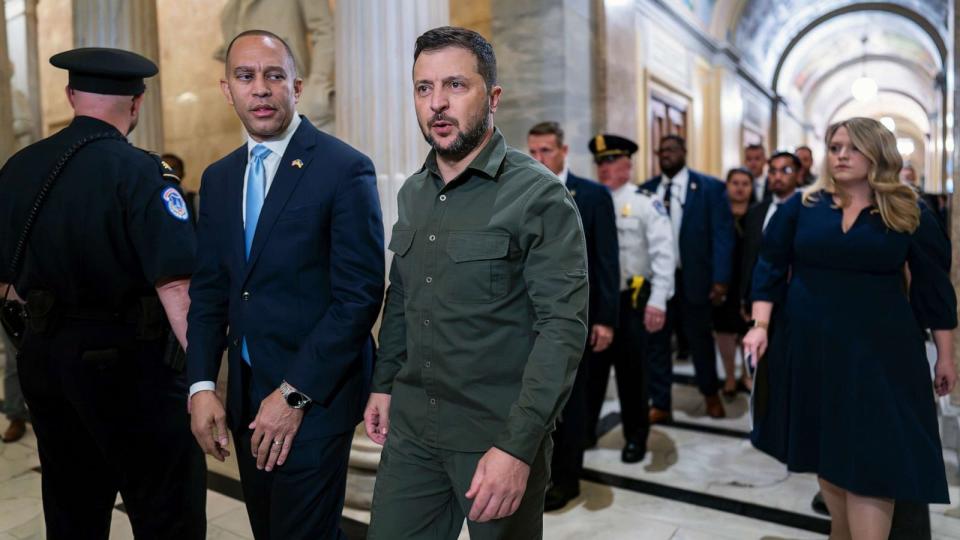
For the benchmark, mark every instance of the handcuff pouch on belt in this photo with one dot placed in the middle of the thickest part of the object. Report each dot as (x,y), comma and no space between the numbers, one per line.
(639,291)
(153,324)
(40,312)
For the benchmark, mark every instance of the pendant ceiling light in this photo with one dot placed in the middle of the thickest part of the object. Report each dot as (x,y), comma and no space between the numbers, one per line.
(864,89)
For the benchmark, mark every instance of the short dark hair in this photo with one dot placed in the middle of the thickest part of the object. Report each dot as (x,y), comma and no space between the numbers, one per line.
(741,170)
(804,147)
(675,138)
(453,36)
(548,128)
(261,33)
(173,158)
(755,147)
(782,154)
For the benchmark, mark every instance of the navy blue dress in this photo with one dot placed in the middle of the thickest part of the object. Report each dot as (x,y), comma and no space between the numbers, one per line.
(849,393)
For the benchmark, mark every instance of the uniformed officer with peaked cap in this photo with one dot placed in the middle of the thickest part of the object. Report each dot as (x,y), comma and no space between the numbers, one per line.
(105,272)
(647,263)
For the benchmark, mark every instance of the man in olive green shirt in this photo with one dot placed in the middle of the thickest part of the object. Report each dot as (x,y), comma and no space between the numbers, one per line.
(485,317)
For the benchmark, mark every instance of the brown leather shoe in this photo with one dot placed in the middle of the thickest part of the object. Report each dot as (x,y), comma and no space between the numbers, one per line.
(715,407)
(659,416)
(15,431)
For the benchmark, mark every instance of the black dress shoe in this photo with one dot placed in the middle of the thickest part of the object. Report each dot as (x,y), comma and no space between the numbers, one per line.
(819,505)
(558,497)
(633,452)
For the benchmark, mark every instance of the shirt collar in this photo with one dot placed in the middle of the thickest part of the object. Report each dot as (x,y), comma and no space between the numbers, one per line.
(681,178)
(778,200)
(487,162)
(564,174)
(279,145)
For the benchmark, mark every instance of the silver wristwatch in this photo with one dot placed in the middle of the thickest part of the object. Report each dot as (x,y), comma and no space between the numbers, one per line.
(294,398)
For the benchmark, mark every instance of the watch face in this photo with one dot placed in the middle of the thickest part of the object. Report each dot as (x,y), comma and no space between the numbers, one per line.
(296,400)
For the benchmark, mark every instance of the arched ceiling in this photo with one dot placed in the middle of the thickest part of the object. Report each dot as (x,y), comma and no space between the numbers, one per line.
(811,52)
(840,41)
(765,29)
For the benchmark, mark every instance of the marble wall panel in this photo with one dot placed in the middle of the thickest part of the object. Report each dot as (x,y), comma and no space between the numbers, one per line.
(473,14)
(55,25)
(545,57)
(199,125)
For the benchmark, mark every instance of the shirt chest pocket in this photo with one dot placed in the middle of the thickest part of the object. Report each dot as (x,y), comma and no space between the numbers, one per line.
(480,272)
(400,242)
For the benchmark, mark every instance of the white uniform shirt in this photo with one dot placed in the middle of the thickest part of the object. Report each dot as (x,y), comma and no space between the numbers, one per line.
(270,164)
(646,242)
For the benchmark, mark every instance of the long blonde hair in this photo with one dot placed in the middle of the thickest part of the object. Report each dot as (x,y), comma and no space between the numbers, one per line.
(897,202)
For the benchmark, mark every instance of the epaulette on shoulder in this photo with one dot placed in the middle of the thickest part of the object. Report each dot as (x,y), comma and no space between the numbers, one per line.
(165,170)
(644,191)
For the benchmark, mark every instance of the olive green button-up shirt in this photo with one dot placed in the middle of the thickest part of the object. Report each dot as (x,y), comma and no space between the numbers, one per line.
(485,317)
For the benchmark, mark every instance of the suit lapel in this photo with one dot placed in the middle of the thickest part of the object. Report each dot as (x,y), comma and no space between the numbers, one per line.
(238,166)
(654,183)
(691,199)
(300,148)
(572,182)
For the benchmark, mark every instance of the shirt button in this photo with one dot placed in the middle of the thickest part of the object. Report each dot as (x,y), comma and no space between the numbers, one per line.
(433,401)
(426,322)
(429,279)
(236,343)
(245,296)
(443,198)
(426,364)
(433,238)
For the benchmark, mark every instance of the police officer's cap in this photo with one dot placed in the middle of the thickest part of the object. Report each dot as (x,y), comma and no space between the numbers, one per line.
(105,71)
(606,147)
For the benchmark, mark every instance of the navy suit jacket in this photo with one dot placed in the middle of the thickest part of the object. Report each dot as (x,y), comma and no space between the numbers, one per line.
(310,292)
(603,256)
(706,235)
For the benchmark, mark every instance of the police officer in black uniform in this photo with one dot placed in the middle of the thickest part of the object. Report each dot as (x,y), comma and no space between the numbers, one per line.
(105,273)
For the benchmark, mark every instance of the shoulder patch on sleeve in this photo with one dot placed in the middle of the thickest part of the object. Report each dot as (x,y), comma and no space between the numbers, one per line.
(658,206)
(175,205)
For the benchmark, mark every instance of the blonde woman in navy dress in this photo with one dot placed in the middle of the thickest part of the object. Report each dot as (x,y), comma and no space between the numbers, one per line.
(851,399)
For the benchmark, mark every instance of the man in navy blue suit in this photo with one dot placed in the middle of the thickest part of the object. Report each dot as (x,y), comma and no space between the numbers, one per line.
(703,229)
(290,263)
(577,426)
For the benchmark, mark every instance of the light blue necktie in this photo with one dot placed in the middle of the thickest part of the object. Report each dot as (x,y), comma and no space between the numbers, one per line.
(256,192)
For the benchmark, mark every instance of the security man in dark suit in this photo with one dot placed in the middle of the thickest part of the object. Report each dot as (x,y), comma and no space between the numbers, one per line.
(783,176)
(577,426)
(703,232)
(105,274)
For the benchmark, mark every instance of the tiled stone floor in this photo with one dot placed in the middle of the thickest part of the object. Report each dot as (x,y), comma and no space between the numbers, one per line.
(684,459)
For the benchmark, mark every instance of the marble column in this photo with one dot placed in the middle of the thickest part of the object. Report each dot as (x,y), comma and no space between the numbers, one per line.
(33,67)
(130,25)
(7,142)
(375,113)
(548,70)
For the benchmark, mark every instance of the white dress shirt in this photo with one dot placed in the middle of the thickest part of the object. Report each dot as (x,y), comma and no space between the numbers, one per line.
(775,203)
(759,186)
(271,164)
(678,196)
(645,238)
(564,173)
